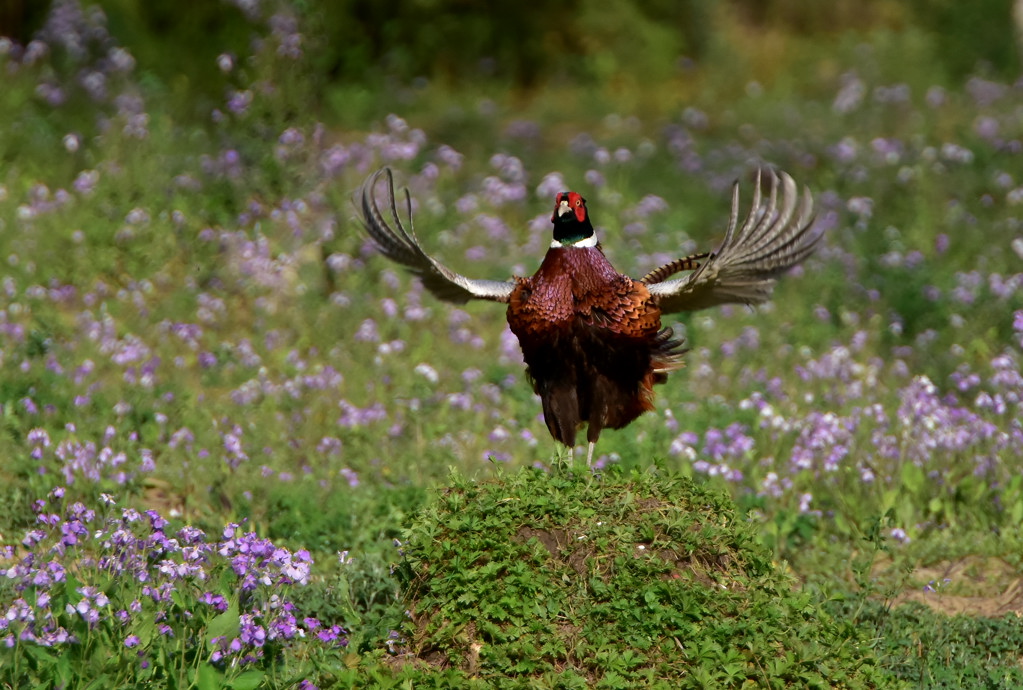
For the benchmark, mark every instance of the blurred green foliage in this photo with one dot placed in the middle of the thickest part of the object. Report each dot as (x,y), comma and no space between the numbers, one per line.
(968,34)
(177,42)
(361,42)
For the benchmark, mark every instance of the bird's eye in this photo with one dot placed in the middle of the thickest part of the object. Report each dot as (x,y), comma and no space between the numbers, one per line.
(578,202)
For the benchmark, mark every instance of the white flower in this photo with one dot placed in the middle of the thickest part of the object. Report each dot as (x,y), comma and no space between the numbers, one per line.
(424,369)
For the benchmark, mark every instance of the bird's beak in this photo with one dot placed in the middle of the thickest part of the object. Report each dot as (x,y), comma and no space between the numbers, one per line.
(564,208)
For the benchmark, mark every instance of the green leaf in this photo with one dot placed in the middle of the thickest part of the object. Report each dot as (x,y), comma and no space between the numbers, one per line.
(249,680)
(146,631)
(225,625)
(1016,512)
(351,613)
(101,681)
(42,655)
(913,477)
(888,499)
(209,677)
(64,672)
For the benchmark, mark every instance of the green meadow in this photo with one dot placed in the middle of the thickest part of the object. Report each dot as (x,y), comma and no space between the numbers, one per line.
(240,449)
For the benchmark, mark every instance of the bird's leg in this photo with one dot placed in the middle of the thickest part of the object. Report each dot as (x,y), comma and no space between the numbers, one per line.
(562,457)
(592,434)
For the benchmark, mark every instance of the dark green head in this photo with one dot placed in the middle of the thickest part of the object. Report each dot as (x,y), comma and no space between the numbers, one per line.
(571,221)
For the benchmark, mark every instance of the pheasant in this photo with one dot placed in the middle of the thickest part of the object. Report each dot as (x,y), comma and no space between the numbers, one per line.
(591,337)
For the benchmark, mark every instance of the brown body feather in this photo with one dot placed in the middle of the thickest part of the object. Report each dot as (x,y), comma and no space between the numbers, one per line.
(592,340)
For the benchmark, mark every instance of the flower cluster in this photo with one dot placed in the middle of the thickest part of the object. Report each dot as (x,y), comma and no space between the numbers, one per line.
(122,574)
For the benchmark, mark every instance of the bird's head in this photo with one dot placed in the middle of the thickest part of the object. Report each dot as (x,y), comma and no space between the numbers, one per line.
(571,222)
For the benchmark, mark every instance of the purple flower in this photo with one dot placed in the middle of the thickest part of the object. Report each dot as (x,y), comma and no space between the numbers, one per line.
(56,571)
(332,634)
(367,332)
(551,184)
(250,632)
(449,157)
(86,182)
(39,437)
(804,502)
(649,205)
(850,96)
(239,101)
(899,535)
(156,521)
(350,476)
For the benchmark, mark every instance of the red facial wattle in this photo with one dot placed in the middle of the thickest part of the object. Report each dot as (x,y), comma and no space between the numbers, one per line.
(576,204)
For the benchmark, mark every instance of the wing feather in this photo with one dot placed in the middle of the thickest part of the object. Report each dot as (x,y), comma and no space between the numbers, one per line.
(400,244)
(774,237)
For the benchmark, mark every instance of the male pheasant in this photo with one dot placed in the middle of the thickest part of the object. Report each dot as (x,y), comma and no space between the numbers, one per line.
(591,337)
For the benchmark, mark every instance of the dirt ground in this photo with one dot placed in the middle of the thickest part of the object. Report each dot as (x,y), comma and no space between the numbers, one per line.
(972,585)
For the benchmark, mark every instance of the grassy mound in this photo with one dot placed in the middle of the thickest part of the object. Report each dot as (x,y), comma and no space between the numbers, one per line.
(625,580)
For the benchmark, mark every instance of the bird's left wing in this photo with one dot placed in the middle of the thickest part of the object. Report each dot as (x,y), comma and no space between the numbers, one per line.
(401,245)
(774,237)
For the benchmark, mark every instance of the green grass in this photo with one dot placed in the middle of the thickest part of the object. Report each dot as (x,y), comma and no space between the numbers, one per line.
(924,649)
(623,580)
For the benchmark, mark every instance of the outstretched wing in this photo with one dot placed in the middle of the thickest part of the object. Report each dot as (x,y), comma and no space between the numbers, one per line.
(401,245)
(772,240)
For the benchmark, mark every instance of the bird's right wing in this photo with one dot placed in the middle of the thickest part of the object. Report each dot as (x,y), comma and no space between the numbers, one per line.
(402,246)
(744,268)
